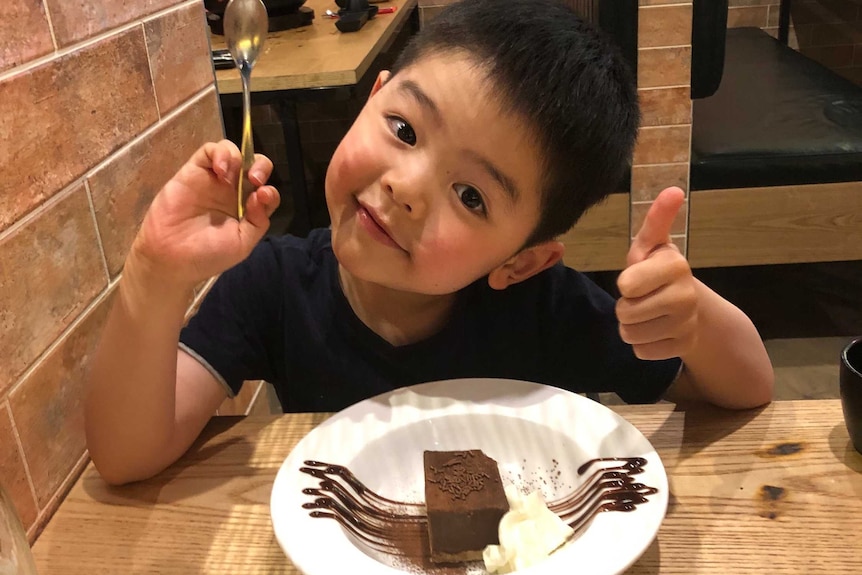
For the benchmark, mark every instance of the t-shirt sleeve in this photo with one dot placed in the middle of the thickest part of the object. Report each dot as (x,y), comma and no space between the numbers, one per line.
(235,334)
(586,344)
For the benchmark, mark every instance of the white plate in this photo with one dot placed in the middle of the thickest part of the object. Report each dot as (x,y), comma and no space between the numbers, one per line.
(530,429)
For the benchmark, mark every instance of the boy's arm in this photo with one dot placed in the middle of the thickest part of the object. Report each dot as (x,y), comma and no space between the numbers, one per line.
(146,403)
(145,400)
(665,312)
(728,365)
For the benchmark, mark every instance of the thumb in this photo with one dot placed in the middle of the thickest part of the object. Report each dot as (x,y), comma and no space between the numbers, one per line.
(655,230)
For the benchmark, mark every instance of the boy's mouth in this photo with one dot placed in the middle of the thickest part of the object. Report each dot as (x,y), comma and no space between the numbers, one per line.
(372,223)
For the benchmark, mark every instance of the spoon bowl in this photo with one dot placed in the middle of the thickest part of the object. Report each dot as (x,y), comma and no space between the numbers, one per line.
(245,27)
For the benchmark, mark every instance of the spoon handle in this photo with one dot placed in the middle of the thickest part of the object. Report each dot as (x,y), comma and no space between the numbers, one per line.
(245,187)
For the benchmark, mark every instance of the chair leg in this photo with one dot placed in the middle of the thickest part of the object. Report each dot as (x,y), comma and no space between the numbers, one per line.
(784,22)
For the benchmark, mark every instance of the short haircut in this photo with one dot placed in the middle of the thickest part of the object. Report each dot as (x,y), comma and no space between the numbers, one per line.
(564,78)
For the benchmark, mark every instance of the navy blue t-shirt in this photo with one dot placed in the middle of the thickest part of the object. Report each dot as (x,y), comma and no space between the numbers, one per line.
(281,316)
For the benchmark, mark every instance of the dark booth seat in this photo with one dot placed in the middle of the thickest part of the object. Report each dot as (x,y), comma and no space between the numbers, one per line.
(777,118)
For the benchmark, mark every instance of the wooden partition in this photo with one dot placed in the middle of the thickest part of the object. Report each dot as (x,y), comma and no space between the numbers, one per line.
(776,225)
(600,240)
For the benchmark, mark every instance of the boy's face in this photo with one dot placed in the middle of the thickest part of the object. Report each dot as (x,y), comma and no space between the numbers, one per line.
(434,186)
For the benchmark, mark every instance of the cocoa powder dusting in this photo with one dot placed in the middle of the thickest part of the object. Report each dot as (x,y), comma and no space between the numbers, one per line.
(459,476)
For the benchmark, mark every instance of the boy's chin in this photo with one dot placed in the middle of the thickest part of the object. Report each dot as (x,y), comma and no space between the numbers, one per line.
(389,281)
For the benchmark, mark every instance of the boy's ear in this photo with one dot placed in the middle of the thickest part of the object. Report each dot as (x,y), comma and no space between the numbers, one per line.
(525,264)
(382,78)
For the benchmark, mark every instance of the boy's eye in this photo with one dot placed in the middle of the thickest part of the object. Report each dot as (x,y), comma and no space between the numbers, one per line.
(470,197)
(402,130)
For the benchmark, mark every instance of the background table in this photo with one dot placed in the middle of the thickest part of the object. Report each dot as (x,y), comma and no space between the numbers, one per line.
(310,62)
(776,490)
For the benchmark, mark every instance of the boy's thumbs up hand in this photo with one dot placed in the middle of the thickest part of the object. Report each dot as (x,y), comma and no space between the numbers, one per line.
(655,231)
(658,308)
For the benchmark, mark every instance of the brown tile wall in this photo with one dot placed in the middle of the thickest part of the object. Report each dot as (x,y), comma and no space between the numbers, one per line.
(430,8)
(102,102)
(661,156)
(761,14)
(830,31)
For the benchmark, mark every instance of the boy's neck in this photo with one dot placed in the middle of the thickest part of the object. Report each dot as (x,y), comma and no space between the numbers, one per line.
(399,317)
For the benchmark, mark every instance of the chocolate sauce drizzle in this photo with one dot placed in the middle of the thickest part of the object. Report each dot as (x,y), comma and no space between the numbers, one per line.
(383,524)
(399,529)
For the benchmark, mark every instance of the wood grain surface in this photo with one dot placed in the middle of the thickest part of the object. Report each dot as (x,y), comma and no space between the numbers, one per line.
(775,490)
(776,225)
(600,239)
(317,55)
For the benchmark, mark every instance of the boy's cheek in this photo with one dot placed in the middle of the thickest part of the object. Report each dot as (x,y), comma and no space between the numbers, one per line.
(342,168)
(353,155)
(445,253)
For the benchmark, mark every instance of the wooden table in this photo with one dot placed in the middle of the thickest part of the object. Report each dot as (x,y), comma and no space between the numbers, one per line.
(317,55)
(314,61)
(776,490)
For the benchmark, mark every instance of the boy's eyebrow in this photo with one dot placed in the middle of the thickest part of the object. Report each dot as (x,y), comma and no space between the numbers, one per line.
(412,89)
(505,181)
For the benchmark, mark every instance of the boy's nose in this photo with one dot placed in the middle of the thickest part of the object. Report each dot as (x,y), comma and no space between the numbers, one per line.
(407,194)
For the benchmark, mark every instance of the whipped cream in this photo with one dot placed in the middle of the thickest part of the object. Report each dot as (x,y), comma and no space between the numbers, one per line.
(528,533)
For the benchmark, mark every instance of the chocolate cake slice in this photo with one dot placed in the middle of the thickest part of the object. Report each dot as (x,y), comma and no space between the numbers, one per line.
(465,501)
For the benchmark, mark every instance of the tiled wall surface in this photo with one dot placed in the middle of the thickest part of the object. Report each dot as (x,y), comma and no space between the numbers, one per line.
(759,13)
(102,102)
(830,31)
(430,8)
(661,156)
(763,14)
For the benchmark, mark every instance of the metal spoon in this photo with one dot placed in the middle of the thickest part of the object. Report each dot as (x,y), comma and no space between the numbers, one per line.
(245,27)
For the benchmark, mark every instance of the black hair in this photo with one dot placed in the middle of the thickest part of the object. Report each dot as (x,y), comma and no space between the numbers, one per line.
(560,74)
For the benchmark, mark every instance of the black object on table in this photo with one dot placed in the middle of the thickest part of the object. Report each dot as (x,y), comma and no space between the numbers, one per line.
(283,14)
(354,14)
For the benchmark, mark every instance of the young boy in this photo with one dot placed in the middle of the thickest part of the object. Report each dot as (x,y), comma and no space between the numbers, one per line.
(498,127)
